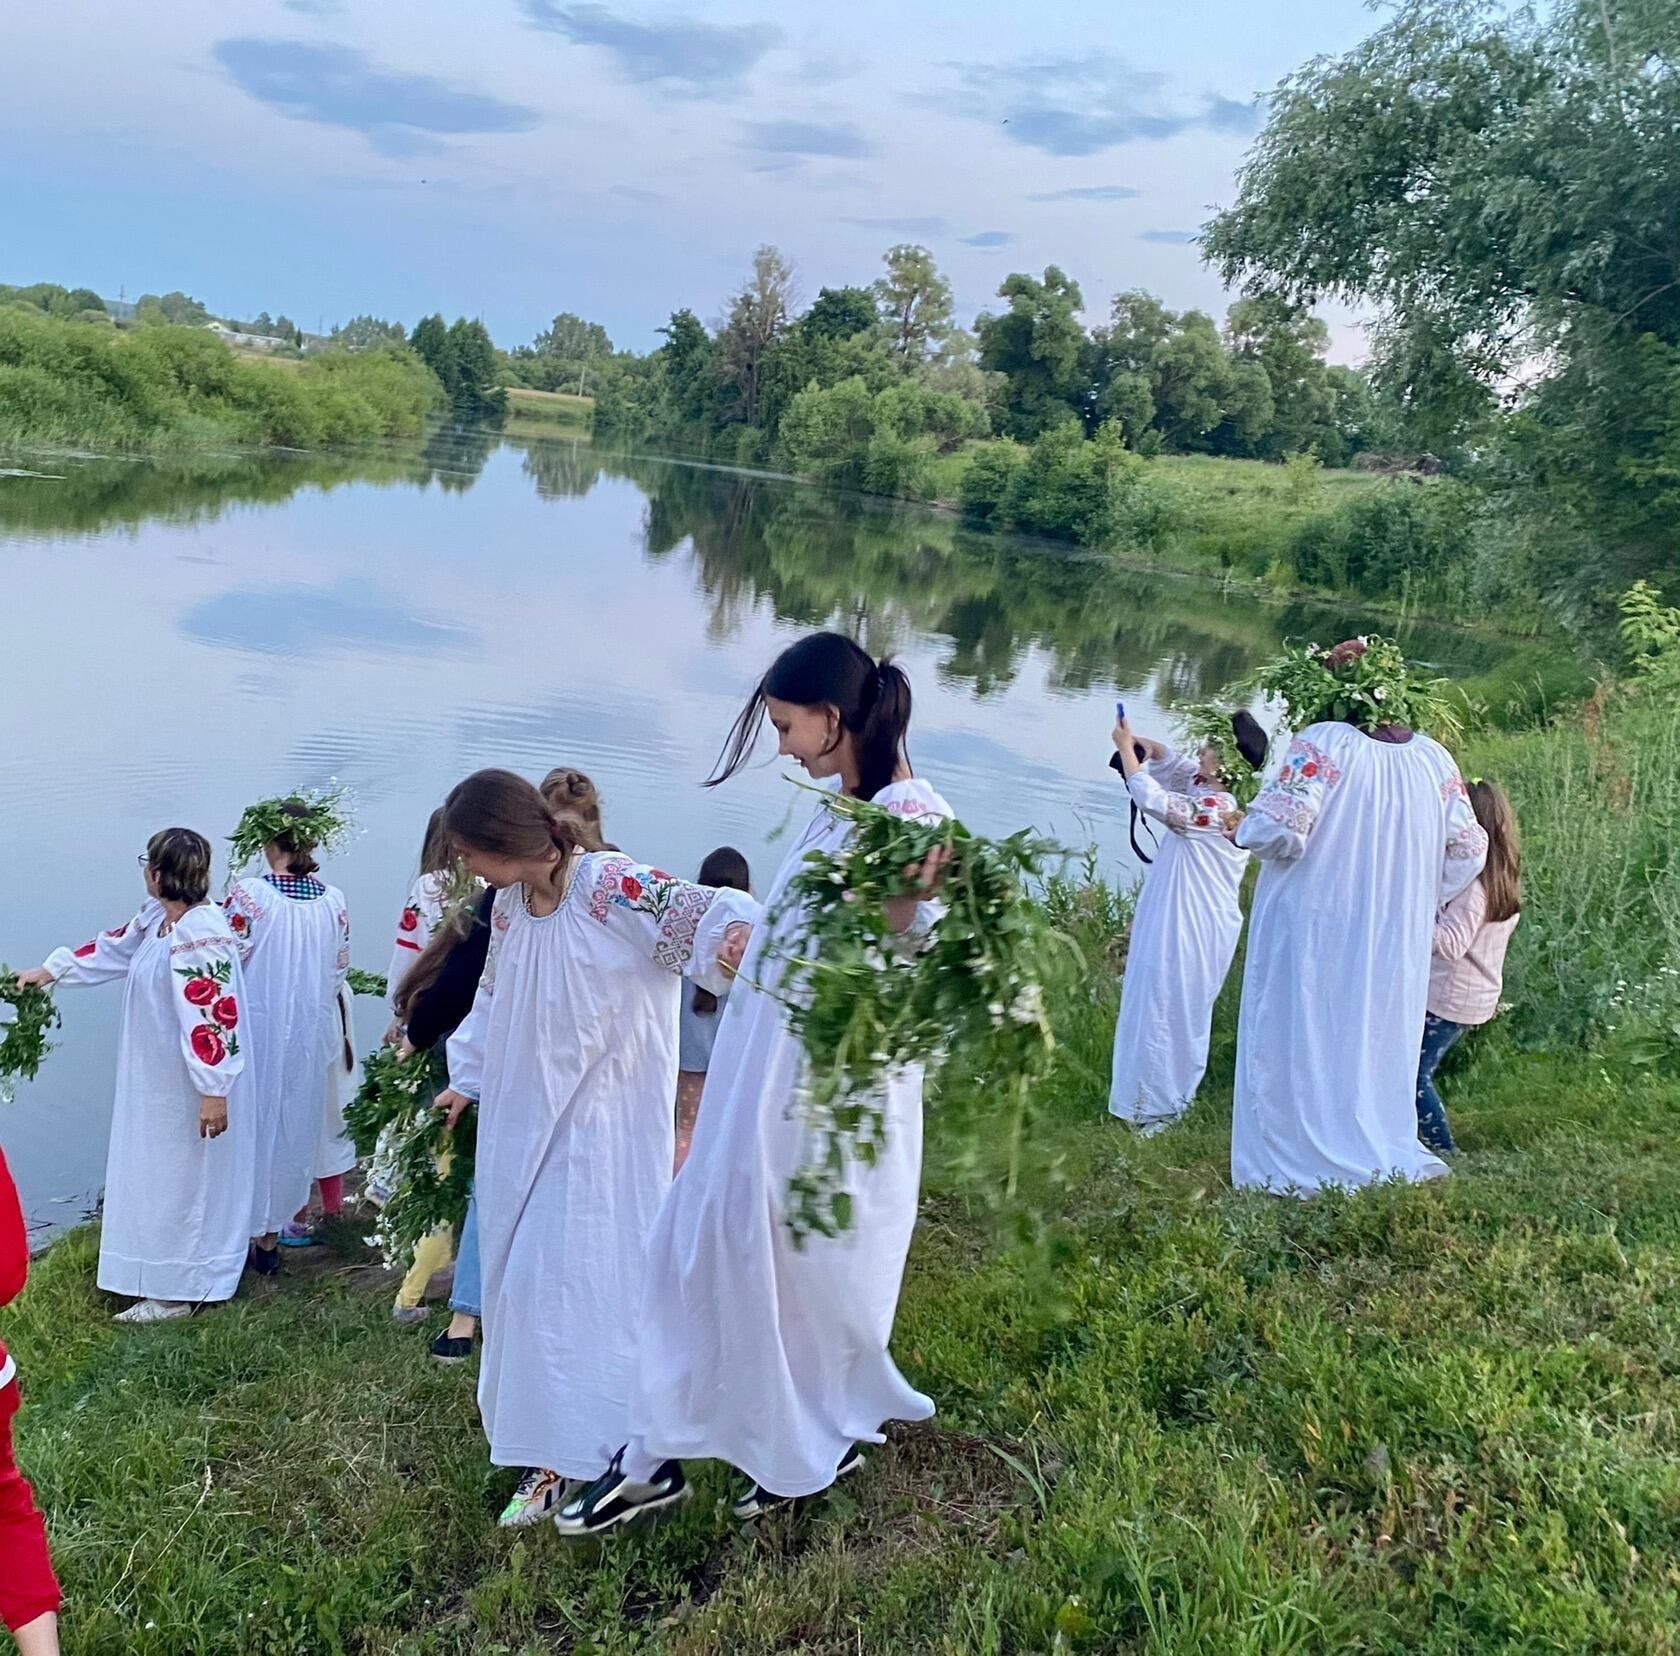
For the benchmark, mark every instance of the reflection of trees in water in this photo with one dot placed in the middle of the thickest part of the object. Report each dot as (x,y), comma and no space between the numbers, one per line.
(562,469)
(80,495)
(882,573)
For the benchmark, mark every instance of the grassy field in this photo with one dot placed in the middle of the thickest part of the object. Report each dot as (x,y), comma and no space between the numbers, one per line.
(549,408)
(1172,1419)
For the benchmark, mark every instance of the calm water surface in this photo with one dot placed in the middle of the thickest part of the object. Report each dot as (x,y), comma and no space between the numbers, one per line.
(185,636)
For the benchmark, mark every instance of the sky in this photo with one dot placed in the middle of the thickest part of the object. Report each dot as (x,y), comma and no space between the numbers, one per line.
(511,159)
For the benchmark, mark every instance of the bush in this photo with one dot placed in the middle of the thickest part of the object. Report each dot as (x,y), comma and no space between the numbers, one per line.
(990,475)
(167,386)
(1398,539)
(883,442)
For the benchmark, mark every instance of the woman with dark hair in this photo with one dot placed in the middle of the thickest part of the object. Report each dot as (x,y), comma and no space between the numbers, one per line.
(178,1174)
(294,932)
(570,1051)
(1187,919)
(755,1348)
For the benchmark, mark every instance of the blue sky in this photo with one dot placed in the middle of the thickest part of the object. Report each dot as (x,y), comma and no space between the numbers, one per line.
(515,158)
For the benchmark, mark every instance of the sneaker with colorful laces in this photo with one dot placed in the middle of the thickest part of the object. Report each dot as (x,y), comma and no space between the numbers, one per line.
(295,1235)
(614,1501)
(539,1493)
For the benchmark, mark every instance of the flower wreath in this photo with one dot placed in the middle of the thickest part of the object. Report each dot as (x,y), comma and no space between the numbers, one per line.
(324,824)
(1208,724)
(1364,681)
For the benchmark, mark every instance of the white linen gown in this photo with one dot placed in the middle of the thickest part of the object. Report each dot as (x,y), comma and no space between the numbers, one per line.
(1184,932)
(1361,842)
(334,1152)
(571,1051)
(296,952)
(177,1206)
(751,1349)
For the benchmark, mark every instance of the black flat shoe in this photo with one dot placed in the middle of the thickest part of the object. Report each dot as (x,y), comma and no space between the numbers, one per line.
(264,1261)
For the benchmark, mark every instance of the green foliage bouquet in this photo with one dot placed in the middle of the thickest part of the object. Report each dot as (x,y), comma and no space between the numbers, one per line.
(367,983)
(864,1002)
(1363,681)
(429,1168)
(1208,724)
(325,823)
(25,1042)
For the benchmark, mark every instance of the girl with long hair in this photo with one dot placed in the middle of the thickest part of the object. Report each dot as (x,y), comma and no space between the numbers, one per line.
(1467,967)
(570,1052)
(752,1348)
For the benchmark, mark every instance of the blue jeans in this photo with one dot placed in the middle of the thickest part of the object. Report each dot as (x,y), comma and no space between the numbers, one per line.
(464,1297)
(1438,1037)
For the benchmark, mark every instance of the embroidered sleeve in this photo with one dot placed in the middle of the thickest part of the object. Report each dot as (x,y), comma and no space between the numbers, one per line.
(207,991)
(245,910)
(665,918)
(1283,813)
(102,958)
(1465,846)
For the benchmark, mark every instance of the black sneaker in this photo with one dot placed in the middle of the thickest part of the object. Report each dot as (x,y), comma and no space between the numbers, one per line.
(265,1261)
(446,1350)
(759,1501)
(614,1500)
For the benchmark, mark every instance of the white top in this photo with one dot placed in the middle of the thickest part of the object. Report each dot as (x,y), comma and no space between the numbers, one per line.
(571,1050)
(177,1206)
(297,952)
(421,916)
(1183,935)
(755,1350)
(1361,842)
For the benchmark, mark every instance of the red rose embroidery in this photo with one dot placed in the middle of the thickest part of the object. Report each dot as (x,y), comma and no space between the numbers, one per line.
(200,991)
(207,1044)
(659,874)
(239,924)
(410,919)
(226,1012)
(1309,770)
(631,887)
(85,950)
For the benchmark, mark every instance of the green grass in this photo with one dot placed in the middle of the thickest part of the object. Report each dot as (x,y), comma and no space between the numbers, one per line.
(1172,1419)
(550,408)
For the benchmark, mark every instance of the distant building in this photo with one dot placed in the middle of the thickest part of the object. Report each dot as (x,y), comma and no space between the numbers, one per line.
(246,341)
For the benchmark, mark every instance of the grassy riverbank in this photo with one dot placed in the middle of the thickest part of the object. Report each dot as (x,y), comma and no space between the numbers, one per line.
(1172,1419)
(167,388)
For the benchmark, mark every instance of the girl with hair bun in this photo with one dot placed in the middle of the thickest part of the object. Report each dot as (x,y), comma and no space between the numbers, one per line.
(570,1051)
(753,1348)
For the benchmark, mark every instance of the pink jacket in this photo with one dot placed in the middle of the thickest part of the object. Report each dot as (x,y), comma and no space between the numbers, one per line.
(1468,968)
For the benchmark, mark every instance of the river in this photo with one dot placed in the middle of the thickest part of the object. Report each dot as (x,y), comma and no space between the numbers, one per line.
(186,635)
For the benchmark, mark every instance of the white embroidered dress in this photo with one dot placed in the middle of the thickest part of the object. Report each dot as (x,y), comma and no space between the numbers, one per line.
(571,1050)
(751,1349)
(1184,933)
(421,916)
(177,1206)
(296,952)
(1361,842)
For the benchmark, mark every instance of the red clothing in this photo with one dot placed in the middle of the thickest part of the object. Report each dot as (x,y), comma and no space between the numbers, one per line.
(28,1588)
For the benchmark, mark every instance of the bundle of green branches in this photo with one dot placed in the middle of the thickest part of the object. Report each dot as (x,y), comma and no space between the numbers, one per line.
(1366,681)
(367,983)
(25,1042)
(427,1168)
(864,1002)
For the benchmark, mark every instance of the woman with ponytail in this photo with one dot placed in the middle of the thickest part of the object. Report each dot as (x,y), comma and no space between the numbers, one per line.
(570,1051)
(753,1348)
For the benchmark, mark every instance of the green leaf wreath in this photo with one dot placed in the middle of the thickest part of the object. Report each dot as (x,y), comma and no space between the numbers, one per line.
(326,824)
(1208,724)
(1365,681)
(393,1118)
(25,1042)
(864,1002)
(367,983)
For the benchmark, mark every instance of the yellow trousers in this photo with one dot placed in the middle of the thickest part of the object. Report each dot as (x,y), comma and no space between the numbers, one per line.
(431,1256)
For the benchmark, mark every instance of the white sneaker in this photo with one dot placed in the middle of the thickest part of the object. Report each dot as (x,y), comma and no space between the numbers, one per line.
(154,1311)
